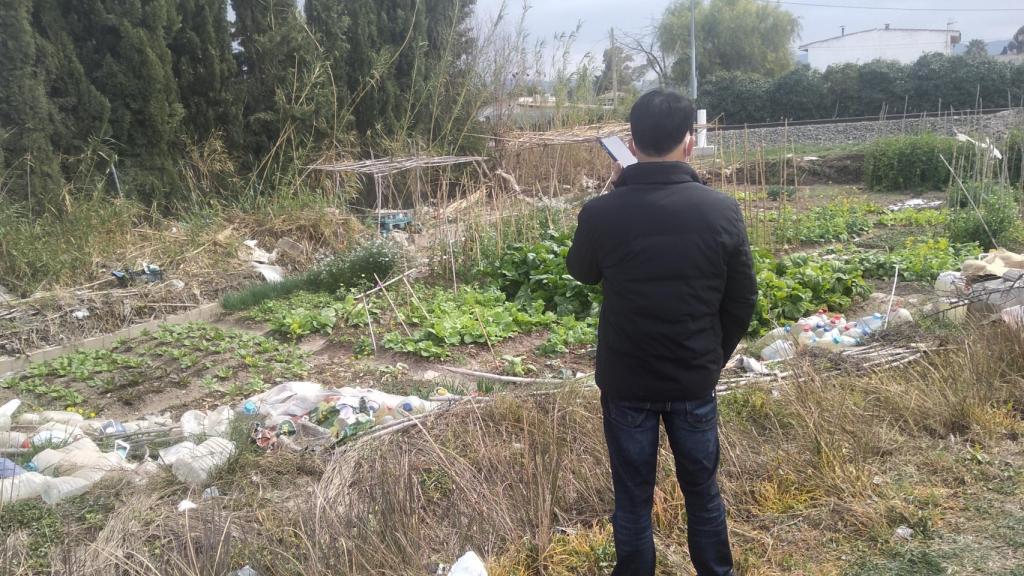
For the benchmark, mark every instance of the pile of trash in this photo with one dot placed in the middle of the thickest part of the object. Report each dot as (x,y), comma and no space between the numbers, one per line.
(305,415)
(827,332)
(68,460)
(992,284)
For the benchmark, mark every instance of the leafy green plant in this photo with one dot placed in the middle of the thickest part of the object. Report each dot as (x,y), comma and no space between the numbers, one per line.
(776,193)
(996,217)
(919,218)
(536,273)
(920,259)
(791,287)
(516,366)
(837,221)
(472,316)
(567,333)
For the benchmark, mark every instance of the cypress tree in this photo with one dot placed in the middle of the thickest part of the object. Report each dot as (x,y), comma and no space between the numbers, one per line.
(122,47)
(25,111)
(203,66)
(284,89)
(81,110)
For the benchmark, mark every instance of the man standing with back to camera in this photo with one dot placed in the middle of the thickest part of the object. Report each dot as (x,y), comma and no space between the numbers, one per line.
(679,292)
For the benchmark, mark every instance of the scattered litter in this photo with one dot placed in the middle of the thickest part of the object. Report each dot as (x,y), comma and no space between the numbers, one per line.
(752,366)
(469,565)
(176,284)
(112,427)
(207,423)
(271,274)
(915,204)
(80,313)
(988,146)
(431,375)
(258,255)
(903,533)
(245,571)
(211,492)
(186,505)
(7,414)
(150,273)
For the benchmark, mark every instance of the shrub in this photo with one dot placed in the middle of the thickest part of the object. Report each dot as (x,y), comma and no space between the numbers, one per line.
(356,267)
(910,162)
(776,192)
(1000,212)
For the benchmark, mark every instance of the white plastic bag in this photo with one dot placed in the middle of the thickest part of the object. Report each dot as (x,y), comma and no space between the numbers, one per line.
(22,487)
(469,565)
(196,466)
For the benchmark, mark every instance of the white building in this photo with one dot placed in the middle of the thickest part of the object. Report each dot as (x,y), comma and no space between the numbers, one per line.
(901,44)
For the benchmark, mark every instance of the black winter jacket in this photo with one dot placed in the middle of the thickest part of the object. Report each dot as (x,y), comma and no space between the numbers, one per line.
(678,282)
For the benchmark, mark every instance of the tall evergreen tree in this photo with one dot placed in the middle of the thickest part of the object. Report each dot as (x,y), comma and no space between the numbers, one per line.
(122,47)
(25,112)
(82,112)
(284,90)
(203,66)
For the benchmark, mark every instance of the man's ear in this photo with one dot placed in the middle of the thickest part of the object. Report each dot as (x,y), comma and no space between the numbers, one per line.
(632,147)
(689,144)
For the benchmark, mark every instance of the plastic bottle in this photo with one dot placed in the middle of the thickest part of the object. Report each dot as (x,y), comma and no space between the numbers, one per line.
(61,417)
(806,338)
(169,455)
(12,440)
(780,333)
(7,413)
(873,323)
(846,342)
(779,350)
(194,468)
(22,487)
(412,405)
(852,331)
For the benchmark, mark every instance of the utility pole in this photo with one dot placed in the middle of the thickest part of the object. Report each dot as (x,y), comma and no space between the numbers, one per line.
(693,50)
(615,72)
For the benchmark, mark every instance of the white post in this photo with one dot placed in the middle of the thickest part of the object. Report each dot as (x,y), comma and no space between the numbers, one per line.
(702,130)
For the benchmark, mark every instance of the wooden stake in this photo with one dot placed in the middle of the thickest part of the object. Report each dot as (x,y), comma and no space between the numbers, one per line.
(393,307)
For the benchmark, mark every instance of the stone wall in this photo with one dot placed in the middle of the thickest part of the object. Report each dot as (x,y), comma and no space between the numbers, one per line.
(995,126)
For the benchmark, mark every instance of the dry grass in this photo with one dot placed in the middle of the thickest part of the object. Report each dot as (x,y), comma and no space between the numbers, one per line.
(817,474)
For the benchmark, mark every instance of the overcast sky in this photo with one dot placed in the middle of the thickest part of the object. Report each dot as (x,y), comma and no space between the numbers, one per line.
(547,18)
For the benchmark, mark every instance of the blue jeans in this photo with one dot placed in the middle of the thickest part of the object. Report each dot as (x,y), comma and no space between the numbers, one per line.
(632,432)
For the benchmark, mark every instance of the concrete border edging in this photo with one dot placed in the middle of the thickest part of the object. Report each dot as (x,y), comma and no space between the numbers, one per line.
(10,365)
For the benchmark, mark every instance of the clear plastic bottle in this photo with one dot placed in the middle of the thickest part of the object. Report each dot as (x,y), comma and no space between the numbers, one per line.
(846,342)
(780,333)
(12,440)
(806,338)
(411,405)
(779,350)
(194,468)
(873,323)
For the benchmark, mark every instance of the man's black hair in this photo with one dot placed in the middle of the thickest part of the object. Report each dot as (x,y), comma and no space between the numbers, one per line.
(660,121)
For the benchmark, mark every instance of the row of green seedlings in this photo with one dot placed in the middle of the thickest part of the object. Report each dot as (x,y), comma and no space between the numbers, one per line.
(985,213)
(229,362)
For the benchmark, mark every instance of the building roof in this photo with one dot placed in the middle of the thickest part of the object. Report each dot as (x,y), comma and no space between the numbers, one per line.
(887,29)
